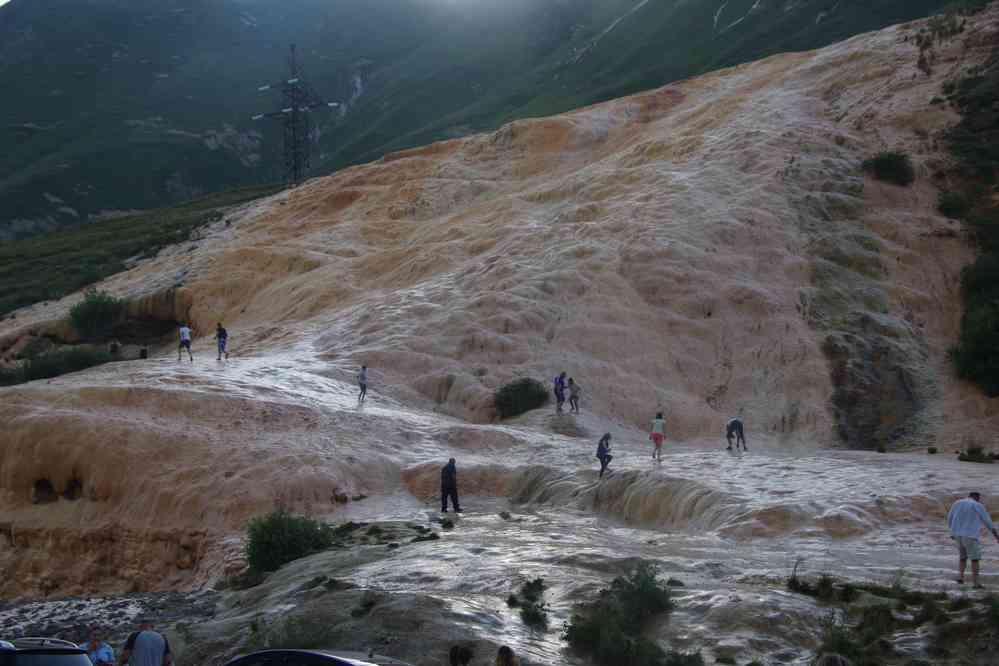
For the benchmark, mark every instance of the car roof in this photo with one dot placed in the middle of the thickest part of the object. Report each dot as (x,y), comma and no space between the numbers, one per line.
(344,658)
(40,643)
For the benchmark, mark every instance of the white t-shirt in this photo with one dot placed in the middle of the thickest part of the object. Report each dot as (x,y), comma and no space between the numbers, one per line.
(659,426)
(185,333)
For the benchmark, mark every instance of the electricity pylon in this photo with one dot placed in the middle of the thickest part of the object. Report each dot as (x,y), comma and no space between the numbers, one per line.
(298,100)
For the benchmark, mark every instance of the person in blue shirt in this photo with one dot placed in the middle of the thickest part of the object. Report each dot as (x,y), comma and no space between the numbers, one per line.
(100,653)
(966,519)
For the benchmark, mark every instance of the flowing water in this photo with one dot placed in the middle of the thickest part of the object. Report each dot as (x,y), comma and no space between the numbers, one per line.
(728,525)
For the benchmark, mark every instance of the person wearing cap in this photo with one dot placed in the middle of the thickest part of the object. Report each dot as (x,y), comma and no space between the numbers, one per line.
(100,653)
(146,647)
(966,519)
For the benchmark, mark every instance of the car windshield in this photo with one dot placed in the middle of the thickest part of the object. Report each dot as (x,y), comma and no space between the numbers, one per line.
(53,658)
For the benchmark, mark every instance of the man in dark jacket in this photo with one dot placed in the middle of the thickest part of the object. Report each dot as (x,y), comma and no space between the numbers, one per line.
(449,486)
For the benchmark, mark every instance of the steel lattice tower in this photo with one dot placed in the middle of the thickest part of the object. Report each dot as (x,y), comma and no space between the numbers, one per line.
(298,100)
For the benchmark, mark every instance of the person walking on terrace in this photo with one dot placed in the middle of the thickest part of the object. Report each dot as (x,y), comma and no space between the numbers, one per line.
(185,341)
(222,338)
(573,396)
(657,435)
(733,430)
(966,519)
(559,392)
(603,453)
(362,382)
(449,486)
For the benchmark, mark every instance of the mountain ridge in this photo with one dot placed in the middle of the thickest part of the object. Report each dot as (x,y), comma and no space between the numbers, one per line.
(131,105)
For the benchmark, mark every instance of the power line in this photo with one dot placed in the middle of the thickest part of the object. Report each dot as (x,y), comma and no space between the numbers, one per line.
(298,99)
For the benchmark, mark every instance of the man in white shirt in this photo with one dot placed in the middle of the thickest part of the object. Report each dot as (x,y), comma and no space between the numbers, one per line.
(966,519)
(185,341)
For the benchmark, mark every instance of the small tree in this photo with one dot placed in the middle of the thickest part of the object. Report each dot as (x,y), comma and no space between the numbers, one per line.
(97,314)
(279,537)
(891,167)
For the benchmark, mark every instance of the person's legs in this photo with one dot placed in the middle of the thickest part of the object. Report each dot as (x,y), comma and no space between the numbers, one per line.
(454,500)
(364,392)
(974,573)
(962,561)
(180,350)
(741,438)
(728,436)
(444,495)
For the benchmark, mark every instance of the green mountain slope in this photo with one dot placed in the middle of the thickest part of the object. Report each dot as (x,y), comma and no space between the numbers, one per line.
(126,104)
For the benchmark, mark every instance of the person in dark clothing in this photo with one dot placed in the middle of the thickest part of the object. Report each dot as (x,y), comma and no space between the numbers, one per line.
(461,655)
(449,486)
(734,430)
(559,385)
(603,453)
(222,339)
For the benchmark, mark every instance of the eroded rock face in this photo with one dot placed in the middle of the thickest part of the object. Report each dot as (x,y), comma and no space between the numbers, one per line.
(706,249)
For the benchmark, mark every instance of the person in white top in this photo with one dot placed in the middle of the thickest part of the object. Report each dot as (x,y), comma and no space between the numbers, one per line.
(966,519)
(185,342)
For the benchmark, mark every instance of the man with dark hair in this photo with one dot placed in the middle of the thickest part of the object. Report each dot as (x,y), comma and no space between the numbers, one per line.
(966,519)
(146,647)
(449,486)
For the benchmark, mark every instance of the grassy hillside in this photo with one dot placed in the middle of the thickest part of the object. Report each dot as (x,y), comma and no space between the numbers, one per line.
(133,104)
(48,267)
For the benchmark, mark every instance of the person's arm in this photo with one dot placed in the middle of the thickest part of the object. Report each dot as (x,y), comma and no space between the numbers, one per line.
(986,519)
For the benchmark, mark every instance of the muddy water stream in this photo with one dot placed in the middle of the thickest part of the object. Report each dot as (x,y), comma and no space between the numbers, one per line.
(727,526)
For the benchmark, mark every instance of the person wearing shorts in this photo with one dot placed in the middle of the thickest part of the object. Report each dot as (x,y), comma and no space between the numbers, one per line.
(966,519)
(185,342)
(657,436)
(734,431)
(222,338)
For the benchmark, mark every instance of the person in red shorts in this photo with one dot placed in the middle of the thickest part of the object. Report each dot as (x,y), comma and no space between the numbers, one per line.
(657,436)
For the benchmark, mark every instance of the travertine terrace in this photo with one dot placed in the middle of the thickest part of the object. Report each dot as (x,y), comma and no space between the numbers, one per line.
(708,248)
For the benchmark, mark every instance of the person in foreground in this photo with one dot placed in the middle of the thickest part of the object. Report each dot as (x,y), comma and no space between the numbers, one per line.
(506,657)
(603,453)
(100,653)
(966,519)
(449,486)
(461,655)
(146,647)
(734,431)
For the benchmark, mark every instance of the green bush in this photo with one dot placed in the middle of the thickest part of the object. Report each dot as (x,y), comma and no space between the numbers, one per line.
(953,204)
(63,361)
(891,167)
(976,355)
(280,537)
(519,396)
(531,603)
(609,629)
(97,314)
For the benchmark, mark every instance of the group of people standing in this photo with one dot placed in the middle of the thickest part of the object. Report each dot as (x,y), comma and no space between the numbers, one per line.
(144,647)
(561,385)
(221,341)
